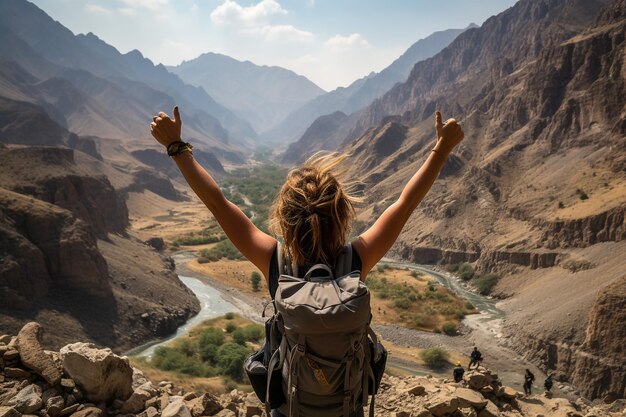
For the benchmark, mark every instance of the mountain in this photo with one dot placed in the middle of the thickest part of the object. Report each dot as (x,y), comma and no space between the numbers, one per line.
(362,91)
(536,193)
(126,86)
(263,95)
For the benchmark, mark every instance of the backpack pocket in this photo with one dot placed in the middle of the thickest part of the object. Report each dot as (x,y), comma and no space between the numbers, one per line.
(258,375)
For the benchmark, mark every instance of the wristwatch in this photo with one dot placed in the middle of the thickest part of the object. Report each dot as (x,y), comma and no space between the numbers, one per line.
(178,147)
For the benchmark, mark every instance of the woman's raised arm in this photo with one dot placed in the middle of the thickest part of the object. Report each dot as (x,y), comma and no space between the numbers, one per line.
(374,243)
(254,244)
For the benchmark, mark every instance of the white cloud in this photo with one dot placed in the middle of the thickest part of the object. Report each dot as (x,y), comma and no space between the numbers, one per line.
(352,40)
(194,8)
(127,11)
(94,8)
(286,33)
(231,13)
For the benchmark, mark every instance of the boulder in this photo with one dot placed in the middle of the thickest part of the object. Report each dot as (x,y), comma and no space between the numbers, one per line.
(88,412)
(16,373)
(440,406)
(54,405)
(70,409)
(477,380)
(470,398)
(27,400)
(421,412)
(205,405)
(102,375)
(252,405)
(149,412)
(507,392)
(9,412)
(177,408)
(5,339)
(32,354)
(490,410)
(416,389)
(136,402)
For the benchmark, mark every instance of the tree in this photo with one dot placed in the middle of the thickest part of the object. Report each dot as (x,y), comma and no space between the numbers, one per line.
(255,279)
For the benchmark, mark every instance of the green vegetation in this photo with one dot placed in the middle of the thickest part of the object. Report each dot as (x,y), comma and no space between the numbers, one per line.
(224,249)
(464,270)
(486,283)
(211,234)
(561,205)
(209,351)
(229,316)
(255,281)
(435,357)
(420,303)
(450,328)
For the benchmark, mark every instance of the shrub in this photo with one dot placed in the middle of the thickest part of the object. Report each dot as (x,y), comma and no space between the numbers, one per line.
(469,305)
(230,327)
(208,342)
(449,328)
(255,280)
(583,196)
(486,283)
(415,274)
(453,267)
(229,316)
(239,337)
(253,332)
(224,249)
(230,358)
(466,271)
(561,205)
(402,303)
(434,356)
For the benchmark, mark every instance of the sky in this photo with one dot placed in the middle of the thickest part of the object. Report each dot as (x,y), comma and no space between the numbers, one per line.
(331,42)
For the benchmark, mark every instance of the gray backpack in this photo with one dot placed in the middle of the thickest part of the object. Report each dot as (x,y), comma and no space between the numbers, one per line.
(326,347)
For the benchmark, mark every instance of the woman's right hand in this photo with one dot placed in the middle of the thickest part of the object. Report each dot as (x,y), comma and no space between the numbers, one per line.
(166,130)
(449,134)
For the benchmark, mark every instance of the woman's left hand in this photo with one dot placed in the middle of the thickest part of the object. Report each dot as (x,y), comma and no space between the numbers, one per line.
(166,130)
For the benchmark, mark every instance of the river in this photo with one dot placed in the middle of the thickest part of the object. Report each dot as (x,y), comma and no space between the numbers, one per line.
(212,305)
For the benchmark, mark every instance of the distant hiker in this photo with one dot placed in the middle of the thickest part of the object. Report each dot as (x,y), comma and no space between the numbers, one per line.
(548,383)
(529,378)
(458,372)
(316,361)
(475,358)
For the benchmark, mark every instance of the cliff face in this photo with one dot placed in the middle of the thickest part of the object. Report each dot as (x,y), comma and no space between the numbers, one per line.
(538,184)
(67,258)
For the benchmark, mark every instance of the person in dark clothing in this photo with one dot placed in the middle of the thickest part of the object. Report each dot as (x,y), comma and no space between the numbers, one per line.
(458,372)
(529,377)
(548,383)
(475,358)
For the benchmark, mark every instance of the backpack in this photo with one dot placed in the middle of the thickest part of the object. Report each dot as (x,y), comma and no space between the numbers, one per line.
(320,357)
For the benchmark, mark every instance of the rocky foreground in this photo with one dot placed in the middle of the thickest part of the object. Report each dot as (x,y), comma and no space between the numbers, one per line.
(82,380)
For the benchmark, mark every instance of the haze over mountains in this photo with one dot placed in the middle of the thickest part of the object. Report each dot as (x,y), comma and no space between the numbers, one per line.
(536,193)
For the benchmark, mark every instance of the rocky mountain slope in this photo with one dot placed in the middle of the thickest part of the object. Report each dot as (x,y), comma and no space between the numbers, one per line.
(81,380)
(89,87)
(263,95)
(357,95)
(537,191)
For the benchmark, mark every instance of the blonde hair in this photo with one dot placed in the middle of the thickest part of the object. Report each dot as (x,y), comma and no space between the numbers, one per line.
(313,211)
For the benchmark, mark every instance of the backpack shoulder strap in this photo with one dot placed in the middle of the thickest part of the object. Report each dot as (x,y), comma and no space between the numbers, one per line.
(343,263)
(273,278)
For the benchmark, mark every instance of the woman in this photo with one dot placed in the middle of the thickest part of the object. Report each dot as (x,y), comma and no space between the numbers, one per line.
(312,212)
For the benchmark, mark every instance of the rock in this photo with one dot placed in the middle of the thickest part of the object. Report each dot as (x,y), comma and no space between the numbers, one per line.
(5,339)
(416,390)
(69,410)
(54,405)
(32,354)
(28,400)
(156,242)
(16,373)
(7,393)
(102,375)
(440,406)
(68,384)
(400,414)
(490,410)
(468,412)
(469,398)
(252,406)
(478,381)
(88,412)
(153,402)
(189,396)
(11,356)
(421,412)
(164,400)
(136,402)
(9,412)
(205,405)
(226,413)
(176,409)
(149,412)
(507,392)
